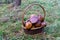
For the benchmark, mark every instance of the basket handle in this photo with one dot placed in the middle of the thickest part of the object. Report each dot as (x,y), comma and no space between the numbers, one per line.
(29,7)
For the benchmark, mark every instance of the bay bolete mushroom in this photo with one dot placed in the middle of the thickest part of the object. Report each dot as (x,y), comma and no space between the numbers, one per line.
(38,24)
(32,15)
(34,19)
(28,25)
(41,18)
(43,24)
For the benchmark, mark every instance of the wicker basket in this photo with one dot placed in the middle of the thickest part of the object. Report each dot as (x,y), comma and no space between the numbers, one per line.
(33,30)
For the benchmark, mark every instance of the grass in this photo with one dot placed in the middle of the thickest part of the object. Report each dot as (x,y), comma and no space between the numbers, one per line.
(10,28)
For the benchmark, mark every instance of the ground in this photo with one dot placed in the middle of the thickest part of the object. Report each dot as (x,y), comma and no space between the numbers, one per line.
(12,29)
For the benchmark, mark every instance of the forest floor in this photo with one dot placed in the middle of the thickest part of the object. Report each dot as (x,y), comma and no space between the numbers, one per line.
(11,26)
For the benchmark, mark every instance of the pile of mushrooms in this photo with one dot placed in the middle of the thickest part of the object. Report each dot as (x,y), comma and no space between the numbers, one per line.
(35,21)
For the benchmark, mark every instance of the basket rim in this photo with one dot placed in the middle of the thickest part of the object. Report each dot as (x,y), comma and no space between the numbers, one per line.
(33,28)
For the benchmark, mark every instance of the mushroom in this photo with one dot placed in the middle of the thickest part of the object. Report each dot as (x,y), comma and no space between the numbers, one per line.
(38,24)
(28,25)
(43,24)
(34,19)
(32,15)
(41,18)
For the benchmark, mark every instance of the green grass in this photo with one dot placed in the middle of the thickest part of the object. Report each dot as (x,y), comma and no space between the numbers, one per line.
(10,28)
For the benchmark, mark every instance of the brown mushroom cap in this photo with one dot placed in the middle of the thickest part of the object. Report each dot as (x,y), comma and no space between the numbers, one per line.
(28,25)
(43,24)
(32,15)
(34,19)
(38,24)
(41,18)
